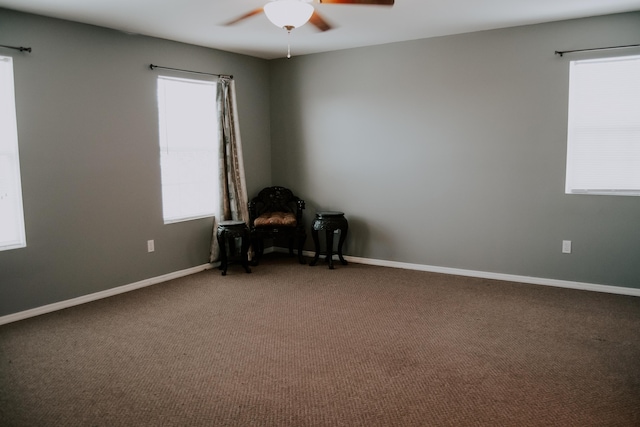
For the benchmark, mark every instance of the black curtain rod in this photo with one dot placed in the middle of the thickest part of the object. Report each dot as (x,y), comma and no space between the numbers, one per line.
(20,48)
(153,67)
(562,52)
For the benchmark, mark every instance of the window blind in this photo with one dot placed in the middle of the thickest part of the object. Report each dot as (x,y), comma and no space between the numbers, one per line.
(188,148)
(12,233)
(603,146)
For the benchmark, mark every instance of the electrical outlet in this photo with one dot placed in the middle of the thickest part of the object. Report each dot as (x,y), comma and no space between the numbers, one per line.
(150,246)
(566,246)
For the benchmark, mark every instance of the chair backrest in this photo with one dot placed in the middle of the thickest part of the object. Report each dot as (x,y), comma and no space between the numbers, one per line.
(276,199)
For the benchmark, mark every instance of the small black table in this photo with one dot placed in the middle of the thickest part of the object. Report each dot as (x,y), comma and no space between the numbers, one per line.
(229,231)
(329,221)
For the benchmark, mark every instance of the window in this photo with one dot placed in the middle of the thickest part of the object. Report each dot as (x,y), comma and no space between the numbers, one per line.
(188,148)
(603,146)
(12,233)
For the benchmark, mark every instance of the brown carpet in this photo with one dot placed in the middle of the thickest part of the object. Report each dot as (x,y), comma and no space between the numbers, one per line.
(293,345)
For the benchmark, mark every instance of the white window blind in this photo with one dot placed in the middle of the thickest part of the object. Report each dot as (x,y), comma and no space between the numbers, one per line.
(188,148)
(603,147)
(12,234)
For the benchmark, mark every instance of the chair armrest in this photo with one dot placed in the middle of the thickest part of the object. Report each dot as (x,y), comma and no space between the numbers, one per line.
(301,206)
(253,213)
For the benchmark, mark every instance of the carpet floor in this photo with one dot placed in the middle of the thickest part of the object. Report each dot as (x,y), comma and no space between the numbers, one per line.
(293,345)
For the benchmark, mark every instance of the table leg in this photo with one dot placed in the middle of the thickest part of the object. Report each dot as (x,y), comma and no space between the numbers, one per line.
(330,248)
(223,252)
(343,236)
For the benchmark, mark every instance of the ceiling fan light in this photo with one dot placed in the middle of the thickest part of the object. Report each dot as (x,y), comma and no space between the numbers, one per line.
(288,13)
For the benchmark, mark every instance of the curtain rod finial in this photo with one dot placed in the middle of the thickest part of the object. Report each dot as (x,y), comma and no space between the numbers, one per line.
(20,48)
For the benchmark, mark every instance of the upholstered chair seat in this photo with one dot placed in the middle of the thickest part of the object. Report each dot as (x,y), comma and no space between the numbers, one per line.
(285,219)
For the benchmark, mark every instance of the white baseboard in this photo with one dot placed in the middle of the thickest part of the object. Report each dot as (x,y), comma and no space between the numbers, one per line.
(497,276)
(383,263)
(488,275)
(102,294)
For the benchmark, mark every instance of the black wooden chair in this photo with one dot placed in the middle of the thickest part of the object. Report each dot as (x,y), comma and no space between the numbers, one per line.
(276,213)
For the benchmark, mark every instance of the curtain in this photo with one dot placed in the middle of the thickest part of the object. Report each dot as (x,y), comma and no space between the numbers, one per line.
(233,187)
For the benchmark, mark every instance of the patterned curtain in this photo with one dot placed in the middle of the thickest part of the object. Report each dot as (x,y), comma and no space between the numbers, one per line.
(233,187)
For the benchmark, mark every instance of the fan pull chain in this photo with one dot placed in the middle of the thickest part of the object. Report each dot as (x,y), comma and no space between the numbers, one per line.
(289,44)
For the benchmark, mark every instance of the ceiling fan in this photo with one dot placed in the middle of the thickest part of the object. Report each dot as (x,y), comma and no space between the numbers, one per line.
(290,14)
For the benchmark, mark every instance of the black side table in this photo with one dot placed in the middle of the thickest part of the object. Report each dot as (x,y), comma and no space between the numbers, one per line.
(329,221)
(228,231)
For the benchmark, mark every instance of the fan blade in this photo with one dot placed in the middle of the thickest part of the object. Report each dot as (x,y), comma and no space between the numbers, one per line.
(319,22)
(245,16)
(373,2)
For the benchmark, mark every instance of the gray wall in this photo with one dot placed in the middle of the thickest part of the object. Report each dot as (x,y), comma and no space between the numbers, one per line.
(87,124)
(451,152)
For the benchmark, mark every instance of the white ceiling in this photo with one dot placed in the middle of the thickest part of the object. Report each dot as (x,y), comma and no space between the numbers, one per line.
(199,21)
